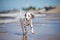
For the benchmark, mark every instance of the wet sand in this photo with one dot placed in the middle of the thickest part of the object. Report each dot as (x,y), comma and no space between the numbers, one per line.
(5,36)
(45,29)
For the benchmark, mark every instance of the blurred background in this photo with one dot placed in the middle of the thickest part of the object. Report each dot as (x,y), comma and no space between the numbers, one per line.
(46,23)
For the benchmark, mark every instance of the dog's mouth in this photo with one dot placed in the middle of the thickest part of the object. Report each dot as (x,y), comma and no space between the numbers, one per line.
(27,19)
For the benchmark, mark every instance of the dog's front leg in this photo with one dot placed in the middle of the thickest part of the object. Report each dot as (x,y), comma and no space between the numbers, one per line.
(32,29)
(25,29)
(23,25)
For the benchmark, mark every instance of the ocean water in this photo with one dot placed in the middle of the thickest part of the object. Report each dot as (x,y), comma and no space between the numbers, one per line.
(45,27)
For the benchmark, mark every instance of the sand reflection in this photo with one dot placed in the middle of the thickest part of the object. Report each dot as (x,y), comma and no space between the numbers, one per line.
(25,37)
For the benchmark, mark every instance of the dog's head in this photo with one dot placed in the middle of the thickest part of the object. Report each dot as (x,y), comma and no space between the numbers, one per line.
(28,16)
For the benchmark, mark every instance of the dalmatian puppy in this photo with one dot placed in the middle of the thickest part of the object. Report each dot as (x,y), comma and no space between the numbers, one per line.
(27,21)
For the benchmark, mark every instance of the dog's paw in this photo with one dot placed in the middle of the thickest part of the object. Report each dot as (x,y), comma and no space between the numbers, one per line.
(33,32)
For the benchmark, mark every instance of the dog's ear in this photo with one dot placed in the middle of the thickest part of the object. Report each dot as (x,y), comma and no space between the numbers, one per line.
(25,15)
(32,16)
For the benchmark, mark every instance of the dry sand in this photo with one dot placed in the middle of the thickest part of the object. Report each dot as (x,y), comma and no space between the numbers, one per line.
(52,11)
(56,10)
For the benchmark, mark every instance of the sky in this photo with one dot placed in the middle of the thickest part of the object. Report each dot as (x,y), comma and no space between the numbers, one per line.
(18,4)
